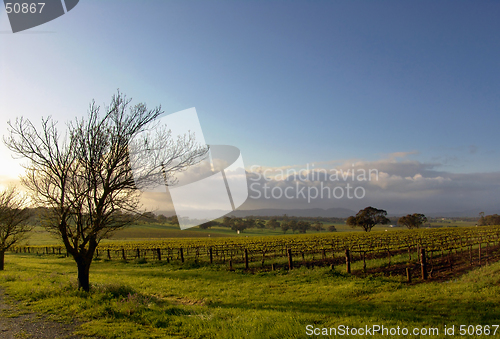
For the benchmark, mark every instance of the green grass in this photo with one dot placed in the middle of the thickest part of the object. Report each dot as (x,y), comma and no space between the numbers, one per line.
(159,300)
(40,237)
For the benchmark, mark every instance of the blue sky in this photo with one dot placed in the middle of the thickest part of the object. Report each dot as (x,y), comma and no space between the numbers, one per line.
(288,82)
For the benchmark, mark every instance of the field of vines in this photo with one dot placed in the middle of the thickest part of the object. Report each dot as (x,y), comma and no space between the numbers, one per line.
(441,247)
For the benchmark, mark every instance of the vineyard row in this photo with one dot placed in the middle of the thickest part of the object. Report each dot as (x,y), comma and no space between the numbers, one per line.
(326,247)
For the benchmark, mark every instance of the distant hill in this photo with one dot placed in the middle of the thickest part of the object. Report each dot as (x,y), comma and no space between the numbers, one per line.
(472,213)
(310,212)
(339,213)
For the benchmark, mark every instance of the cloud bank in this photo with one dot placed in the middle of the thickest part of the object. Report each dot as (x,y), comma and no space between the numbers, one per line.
(393,183)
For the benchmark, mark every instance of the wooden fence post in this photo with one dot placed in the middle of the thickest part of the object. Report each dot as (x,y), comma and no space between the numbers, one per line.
(487,253)
(479,254)
(364,261)
(246,259)
(347,261)
(423,264)
(408,275)
(290,261)
(211,255)
(181,254)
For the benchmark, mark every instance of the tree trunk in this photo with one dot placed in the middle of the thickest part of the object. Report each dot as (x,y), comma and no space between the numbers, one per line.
(2,259)
(83,273)
(83,261)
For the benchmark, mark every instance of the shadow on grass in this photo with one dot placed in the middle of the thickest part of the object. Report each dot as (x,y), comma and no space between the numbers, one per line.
(438,313)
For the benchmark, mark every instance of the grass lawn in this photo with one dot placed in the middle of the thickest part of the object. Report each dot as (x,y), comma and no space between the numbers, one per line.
(159,300)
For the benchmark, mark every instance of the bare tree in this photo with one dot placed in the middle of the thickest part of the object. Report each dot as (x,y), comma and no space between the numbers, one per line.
(13,220)
(86,177)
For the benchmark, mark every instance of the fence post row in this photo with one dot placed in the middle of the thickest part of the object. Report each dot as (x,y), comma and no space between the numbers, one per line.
(454,245)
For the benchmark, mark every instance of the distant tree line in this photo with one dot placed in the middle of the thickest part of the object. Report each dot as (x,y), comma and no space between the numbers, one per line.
(286,224)
(311,219)
(150,217)
(493,219)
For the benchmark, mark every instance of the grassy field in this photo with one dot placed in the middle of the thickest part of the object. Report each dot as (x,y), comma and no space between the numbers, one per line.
(140,299)
(158,300)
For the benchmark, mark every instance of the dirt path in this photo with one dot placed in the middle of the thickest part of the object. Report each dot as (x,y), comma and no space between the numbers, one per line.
(31,326)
